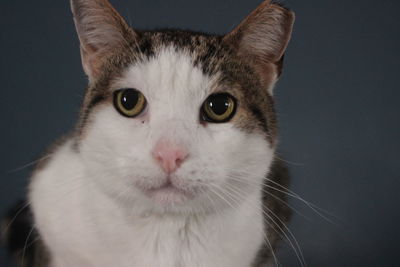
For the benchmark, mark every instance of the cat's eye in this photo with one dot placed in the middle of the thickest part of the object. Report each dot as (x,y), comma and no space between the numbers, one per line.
(129,102)
(219,108)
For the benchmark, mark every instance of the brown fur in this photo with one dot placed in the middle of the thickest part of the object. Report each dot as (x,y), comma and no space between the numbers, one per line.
(275,210)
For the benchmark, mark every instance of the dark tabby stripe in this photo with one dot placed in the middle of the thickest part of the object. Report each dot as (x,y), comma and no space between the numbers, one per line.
(21,238)
(279,173)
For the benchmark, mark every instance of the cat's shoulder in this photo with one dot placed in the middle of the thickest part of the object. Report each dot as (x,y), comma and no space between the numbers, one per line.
(276,212)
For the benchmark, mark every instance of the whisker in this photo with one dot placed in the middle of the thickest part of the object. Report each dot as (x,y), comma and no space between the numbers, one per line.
(32,163)
(261,230)
(26,243)
(274,196)
(7,227)
(296,249)
(33,242)
(310,205)
(287,192)
(289,162)
(305,201)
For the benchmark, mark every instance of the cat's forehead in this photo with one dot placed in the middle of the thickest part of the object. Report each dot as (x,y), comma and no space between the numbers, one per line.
(170,72)
(176,71)
(206,51)
(177,65)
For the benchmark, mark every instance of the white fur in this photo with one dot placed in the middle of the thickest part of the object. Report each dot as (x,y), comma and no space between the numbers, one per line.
(88,206)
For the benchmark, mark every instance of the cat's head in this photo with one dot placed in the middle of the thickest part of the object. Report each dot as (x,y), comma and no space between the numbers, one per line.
(179,120)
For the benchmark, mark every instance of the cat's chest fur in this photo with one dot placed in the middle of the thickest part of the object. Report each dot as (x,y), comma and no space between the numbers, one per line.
(93,230)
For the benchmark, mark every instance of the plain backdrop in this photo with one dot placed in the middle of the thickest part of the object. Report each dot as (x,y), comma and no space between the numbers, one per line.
(338,104)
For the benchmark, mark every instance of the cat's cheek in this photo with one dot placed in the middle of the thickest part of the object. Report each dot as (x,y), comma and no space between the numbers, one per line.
(107,128)
(247,157)
(114,144)
(229,161)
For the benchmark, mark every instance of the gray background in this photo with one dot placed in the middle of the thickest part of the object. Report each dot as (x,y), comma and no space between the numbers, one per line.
(337,103)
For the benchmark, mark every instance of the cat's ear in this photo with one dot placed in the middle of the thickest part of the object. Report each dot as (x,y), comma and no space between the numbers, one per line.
(101,32)
(262,38)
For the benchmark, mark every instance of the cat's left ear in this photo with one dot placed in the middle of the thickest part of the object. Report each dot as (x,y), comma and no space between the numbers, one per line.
(261,40)
(102,32)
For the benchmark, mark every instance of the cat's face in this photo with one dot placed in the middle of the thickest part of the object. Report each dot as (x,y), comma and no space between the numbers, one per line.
(122,150)
(175,120)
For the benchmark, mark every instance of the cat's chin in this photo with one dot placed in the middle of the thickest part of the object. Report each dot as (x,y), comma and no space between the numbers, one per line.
(169,194)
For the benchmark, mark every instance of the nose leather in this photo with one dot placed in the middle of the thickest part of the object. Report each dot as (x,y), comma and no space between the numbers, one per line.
(169,155)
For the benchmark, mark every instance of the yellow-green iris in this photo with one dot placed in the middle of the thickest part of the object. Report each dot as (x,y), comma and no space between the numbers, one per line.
(129,102)
(219,108)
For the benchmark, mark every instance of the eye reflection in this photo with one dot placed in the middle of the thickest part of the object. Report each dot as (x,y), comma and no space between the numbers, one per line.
(219,108)
(129,102)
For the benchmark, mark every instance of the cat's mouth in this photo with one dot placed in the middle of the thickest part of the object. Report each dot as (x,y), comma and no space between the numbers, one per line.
(168,193)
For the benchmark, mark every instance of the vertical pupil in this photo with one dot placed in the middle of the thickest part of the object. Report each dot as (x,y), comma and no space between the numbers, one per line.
(219,104)
(129,99)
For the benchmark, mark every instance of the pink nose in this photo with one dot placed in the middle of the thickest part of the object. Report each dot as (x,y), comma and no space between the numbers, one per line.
(169,156)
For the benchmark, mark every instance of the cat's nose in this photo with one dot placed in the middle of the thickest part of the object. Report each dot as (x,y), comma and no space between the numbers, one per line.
(169,155)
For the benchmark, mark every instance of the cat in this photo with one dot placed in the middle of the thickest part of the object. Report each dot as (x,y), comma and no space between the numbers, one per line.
(172,162)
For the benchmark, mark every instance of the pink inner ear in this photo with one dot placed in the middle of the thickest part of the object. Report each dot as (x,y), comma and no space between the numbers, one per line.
(102,31)
(263,36)
(89,64)
(261,40)
(268,74)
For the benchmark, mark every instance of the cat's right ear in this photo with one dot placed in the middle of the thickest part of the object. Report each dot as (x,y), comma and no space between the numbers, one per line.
(101,31)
